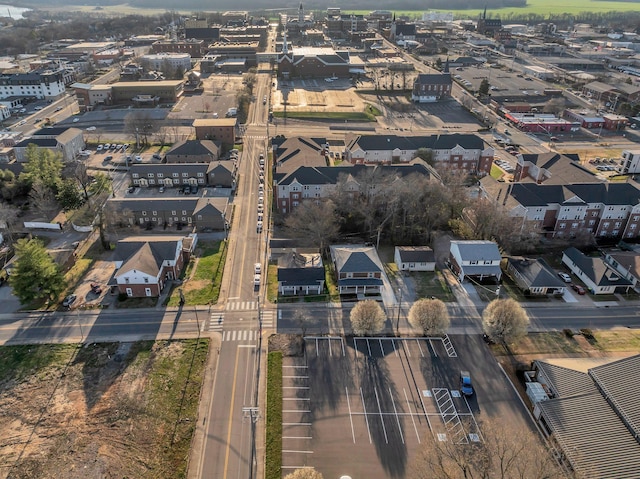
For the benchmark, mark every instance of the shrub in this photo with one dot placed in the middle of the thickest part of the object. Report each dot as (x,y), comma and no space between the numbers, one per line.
(568,332)
(588,334)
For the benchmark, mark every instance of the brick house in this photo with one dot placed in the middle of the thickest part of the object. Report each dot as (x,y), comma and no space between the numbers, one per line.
(431,87)
(144,265)
(216,129)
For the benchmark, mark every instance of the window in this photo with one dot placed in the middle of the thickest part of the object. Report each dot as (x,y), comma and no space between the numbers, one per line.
(605,224)
(126,279)
(146,280)
(173,212)
(135,175)
(200,174)
(199,217)
(144,213)
(473,261)
(160,175)
(175,175)
(184,212)
(154,213)
(150,175)
(184,218)
(574,226)
(185,175)
(562,226)
(617,224)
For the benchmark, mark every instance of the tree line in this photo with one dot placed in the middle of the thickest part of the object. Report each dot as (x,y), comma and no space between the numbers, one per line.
(378,206)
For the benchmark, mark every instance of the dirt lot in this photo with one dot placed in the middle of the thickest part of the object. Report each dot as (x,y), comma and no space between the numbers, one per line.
(109,410)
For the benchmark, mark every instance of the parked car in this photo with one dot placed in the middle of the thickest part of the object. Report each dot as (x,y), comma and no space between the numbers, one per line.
(91,128)
(96,288)
(131,189)
(99,148)
(565,277)
(69,300)
(257,268)
(465,383)
(108,158)
(161,189)
(137,158)
(578,289)
(259,227)
(256,280)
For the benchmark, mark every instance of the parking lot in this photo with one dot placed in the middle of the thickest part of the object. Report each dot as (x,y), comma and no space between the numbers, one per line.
(363,406)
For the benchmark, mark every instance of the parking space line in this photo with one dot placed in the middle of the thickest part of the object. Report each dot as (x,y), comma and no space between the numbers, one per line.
(296,424)
(317,347)
(296,399)
(411,414)
(295,387)
(342,343)
(395,350)
(420,348)
(474,419)
(381,347)
(397,417)
(297,437)
(369,348)
(384,429)
(295,366)
(424,409)
(298,452)
(353,433)
(296,467)
(432,348)
(366,417)
(296,410)
(295,377)
(330,350)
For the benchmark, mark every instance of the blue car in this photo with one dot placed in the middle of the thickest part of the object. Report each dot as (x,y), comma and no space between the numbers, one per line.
(465,383)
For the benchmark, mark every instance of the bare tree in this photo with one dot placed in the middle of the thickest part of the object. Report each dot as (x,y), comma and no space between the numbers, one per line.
(8,218)
(43,199)
(315,223)
(367,318)
(555,106)
(141,125)
(304,473)
(301,317)
(429,316)
(504,321)
(502,453)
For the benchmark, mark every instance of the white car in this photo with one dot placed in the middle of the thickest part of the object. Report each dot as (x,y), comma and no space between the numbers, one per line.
(256,280)
(137,158)
(99,148)
(75,120)
(91,128)
(565,277)
(259,227)
(257,268)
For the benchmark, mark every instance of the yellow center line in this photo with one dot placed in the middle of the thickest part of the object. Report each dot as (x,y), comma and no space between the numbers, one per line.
(231,406)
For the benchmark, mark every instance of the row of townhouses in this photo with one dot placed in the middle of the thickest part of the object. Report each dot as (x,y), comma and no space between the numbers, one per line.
(220,174)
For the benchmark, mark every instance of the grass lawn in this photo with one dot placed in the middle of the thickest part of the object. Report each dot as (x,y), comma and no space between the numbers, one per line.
(618,340)
(553,342)
(272,283)
(330,280)
(273,449)
(432,284)
(202,286)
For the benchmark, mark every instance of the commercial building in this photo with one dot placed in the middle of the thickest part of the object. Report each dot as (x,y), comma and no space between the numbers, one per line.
(218,129)
(164,91)
(431,87)
(47,84)
(160,61)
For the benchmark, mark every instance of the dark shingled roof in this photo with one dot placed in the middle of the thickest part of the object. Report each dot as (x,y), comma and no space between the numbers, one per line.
(434,142)
(416,254)
(596,269)
(145,256)
(531,194)
(433,79)
(536,272)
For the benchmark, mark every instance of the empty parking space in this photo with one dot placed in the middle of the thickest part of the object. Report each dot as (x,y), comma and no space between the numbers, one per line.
(370,403)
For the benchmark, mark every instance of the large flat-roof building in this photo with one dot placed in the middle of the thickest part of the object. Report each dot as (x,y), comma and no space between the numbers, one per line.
(164,91)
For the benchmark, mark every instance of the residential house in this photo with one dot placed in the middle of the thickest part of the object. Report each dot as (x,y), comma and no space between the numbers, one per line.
(201,213)
(222,174)
(534,276)
(300,274)
(68,142)
(414,258)
(604,210)
(145,265)
(457,151)
(358,270)
(193,151)
(317,183)
(591,414)
(598,276)
(627,263)
(292,153)
(431,87)
(475,259)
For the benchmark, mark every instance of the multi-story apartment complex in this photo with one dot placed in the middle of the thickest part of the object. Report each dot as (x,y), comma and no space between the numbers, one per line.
(47,84)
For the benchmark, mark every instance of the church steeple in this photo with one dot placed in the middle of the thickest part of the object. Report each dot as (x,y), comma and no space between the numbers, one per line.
(300,14)
(446,66)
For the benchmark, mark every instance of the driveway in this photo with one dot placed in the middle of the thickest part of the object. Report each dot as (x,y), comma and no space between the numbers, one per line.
(8,302)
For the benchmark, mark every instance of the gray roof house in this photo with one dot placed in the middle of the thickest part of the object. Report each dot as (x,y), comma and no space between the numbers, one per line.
(358,269)
(193,151)
(300,273)
(415,258)
(598,276)
(475,258)
(145,264)
(627,263)
(534,276)
(202,213)
(222,174)
(68,142)
(593,417)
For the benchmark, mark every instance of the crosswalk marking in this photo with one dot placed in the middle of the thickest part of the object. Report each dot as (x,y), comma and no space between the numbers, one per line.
(241,306)
(267,317)
(215,321)
(240,335)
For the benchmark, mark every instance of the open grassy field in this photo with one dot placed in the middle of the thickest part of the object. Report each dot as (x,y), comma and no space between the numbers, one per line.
(539,7)
(99,410)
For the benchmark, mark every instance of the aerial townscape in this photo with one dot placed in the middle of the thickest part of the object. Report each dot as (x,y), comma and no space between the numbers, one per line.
(320,241)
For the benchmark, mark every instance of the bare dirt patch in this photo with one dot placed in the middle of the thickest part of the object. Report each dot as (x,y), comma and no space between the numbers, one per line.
(100,411)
